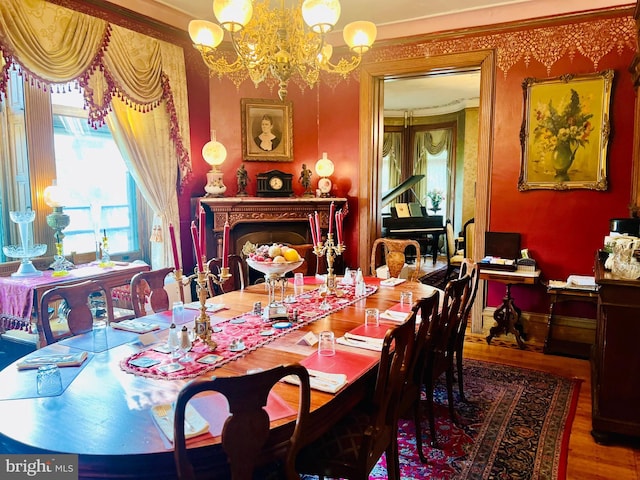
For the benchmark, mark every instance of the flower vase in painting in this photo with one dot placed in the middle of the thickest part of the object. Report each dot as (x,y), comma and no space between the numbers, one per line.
(561,130)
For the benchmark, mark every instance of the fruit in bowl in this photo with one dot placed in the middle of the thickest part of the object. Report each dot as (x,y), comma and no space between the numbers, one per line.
(274,253)
(274,259)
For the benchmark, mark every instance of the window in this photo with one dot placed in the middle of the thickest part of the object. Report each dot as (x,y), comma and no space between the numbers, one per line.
(104,205)
(48,138)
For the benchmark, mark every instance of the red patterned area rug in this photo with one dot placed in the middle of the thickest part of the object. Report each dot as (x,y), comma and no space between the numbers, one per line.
(515,425)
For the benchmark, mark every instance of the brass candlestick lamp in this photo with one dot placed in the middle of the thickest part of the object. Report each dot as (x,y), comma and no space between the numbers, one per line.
(202,321)
(58,221)
(330,250)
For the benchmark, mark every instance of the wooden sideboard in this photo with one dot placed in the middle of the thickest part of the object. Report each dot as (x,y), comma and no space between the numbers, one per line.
(615,359)
(277,218)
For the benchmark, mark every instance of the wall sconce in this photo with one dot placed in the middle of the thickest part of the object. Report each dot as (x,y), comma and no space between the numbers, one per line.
(214,154)
(53,196)
(324,169)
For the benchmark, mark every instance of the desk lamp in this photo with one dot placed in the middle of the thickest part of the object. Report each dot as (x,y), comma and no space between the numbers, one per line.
(324,169)
(58,221)
(214,153)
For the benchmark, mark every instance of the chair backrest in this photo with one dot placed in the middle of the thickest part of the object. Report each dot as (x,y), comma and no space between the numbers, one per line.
(442,335)
(77,310)
(310,265)
(451,240)
(246,430)
(239,275)
(395,256)
(426,310)
(470,268)
(395,357)
(148,287)
(468,230)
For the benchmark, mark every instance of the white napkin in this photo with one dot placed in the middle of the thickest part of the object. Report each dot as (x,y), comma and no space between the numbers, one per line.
(323,381)
(394,316)
(135,326)
(367,345)
(362,338)
(194,424)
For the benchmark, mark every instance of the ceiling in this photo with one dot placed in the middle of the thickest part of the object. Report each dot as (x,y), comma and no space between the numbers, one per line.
(425,95)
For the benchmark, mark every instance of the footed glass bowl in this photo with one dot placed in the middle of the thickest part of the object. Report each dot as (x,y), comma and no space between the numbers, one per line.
(18,251)
(274,269)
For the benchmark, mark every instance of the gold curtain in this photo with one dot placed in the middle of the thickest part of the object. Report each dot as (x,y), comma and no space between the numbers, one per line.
(142,136)
(54,45)
(118,69)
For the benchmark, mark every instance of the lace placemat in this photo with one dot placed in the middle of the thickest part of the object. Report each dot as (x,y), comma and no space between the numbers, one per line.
(248,329)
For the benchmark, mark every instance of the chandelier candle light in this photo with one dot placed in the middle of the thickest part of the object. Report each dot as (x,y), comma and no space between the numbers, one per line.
(279,42)
(329,248)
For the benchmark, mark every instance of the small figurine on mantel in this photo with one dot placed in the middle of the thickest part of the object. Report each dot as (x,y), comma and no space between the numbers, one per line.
(242,178)
(305,180)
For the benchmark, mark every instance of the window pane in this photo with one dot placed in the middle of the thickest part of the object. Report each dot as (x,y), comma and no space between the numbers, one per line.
(91,171)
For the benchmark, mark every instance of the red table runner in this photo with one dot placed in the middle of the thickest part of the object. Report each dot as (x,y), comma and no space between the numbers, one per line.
(249,328)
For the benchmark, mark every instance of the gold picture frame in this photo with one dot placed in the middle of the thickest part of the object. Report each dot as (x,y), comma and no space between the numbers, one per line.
(565,132)
(277,115)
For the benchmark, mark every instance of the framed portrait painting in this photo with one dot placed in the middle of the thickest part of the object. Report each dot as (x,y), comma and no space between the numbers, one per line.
(267,130)
(565,132)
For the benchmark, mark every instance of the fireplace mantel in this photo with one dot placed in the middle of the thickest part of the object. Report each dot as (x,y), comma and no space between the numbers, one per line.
(263,211)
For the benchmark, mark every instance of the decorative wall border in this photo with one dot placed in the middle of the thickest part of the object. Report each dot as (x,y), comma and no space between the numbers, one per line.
(592,39)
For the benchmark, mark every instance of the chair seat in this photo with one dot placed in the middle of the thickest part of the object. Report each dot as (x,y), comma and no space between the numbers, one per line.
(456,259)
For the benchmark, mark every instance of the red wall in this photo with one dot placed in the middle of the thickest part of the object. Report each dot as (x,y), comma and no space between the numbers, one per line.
(562,229)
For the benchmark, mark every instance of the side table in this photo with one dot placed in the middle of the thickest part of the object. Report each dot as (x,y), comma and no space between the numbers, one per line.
(567,347)
(508,314)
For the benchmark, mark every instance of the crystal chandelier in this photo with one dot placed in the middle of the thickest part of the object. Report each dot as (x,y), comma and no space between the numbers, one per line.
(279,42)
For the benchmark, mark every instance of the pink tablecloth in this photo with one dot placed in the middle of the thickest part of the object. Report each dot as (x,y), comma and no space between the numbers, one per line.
(16,293)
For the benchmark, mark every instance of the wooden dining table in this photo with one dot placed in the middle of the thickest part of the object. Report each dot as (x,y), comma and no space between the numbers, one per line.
(104,413)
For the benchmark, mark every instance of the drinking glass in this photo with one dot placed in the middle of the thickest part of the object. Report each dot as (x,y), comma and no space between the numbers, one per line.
(177,311)
(326,344)
(49,381)
(406,300)
(372,317)
(173,342)
(298,283)
(100,336)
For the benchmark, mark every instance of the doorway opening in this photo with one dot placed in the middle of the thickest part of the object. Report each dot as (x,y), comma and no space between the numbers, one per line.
(372,77)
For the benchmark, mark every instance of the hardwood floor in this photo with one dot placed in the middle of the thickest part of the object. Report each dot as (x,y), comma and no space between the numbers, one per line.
(587,459)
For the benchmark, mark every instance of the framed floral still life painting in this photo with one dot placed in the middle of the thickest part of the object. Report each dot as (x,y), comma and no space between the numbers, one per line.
(565,132)
(267,130)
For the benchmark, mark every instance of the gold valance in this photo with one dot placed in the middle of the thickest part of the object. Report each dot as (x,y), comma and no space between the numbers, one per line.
(51,44)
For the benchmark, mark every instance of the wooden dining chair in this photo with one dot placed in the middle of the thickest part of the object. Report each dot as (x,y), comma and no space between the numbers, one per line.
(238,269)
(352,447)
(395,255)
(440,346)
(148,288)
(77,308)
(246,430)
(470,268)
(426,311)
(310,264)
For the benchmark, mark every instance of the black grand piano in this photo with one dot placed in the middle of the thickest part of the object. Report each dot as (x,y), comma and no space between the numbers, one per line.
(425,228)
